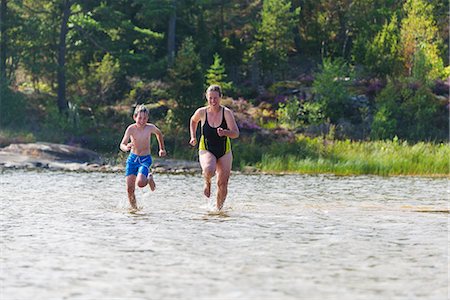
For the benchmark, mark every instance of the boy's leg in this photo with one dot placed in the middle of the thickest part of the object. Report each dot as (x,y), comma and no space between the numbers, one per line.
(223,174)
(144,176)
(131,181)
(151,182)
(142,180)
(208,164)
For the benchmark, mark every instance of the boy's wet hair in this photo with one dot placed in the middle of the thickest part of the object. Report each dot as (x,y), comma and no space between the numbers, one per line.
(214,88)
(141,108)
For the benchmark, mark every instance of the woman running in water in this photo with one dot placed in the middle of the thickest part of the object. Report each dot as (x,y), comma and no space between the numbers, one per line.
(218,126)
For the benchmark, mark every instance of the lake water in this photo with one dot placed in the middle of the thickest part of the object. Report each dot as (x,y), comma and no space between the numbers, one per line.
(71,236)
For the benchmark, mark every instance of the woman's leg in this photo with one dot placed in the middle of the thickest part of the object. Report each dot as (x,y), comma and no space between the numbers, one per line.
(131,181)
(223,174)
(208,164)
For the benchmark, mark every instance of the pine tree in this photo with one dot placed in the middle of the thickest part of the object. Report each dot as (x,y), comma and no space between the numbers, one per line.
(382,55)
(275,35)
(216,75)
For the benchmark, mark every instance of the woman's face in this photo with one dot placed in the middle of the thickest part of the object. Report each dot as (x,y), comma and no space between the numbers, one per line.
(213,98)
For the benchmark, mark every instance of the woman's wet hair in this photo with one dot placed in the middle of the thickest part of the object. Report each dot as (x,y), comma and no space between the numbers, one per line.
(141,108)
(214,88)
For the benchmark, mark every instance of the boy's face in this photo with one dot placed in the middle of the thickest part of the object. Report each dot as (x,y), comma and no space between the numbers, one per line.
(141,118)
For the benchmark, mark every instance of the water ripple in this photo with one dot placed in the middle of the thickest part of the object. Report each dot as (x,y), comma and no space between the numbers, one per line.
(71,235)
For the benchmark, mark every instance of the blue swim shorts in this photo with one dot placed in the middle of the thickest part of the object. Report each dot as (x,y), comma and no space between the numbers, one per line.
(138,164)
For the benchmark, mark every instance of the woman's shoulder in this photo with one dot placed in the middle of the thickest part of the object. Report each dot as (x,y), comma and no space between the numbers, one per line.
(201,110)
(227,110)
(199,114)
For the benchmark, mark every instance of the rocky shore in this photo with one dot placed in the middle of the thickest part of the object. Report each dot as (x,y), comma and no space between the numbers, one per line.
(61,157)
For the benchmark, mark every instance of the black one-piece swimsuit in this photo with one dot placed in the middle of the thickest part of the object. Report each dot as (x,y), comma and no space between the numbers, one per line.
(211,141)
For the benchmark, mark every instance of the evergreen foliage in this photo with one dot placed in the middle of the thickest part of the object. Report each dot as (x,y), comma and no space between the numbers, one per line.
(186,79)
(407,109)
(12,107)
(101,81)
(382,56)
(288,113)
(331,88)
(384,125)
(275,37)
(117,53)
(216,75)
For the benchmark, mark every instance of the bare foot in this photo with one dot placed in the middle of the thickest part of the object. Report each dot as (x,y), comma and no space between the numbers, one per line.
(207,189)
(133,210)
(133,202)
(151,182)
(220,204)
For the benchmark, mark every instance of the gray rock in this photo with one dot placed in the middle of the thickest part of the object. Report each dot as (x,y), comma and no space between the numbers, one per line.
(69,158)
(53,152)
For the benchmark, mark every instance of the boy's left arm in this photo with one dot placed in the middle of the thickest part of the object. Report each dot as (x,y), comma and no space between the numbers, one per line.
(160,138)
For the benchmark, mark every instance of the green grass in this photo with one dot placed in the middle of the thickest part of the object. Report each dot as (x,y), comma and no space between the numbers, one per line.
(384,158)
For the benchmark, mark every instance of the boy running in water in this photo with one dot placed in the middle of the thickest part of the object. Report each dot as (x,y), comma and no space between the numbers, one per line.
(137,139)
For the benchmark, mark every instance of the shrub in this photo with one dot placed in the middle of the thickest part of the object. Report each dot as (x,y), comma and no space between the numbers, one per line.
(331,88)
(12,107)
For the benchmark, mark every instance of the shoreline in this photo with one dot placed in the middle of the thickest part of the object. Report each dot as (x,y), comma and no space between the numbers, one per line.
(177,167)
(60,157)
(20,162)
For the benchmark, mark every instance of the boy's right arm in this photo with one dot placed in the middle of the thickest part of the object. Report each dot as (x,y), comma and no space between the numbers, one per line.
(124,145)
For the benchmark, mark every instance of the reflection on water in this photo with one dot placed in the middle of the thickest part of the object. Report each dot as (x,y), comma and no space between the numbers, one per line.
(70,235)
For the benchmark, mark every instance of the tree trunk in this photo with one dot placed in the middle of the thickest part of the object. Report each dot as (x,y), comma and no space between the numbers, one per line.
(171,34)
(344,47)
(222,19)
(62,101)
(254,72)
(4,40)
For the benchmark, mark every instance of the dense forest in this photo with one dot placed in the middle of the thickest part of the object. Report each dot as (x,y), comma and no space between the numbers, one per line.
(365,70)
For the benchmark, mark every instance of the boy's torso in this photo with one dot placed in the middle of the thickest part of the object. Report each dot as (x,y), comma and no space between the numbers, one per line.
(141,137)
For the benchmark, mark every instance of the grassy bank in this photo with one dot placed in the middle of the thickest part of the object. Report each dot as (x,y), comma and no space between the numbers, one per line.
(303,155)
(384,158)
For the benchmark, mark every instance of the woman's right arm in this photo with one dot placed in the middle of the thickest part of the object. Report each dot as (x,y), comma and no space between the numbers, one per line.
(196,117)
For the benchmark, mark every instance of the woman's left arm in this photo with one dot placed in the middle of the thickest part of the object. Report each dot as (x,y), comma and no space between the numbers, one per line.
(233,130)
